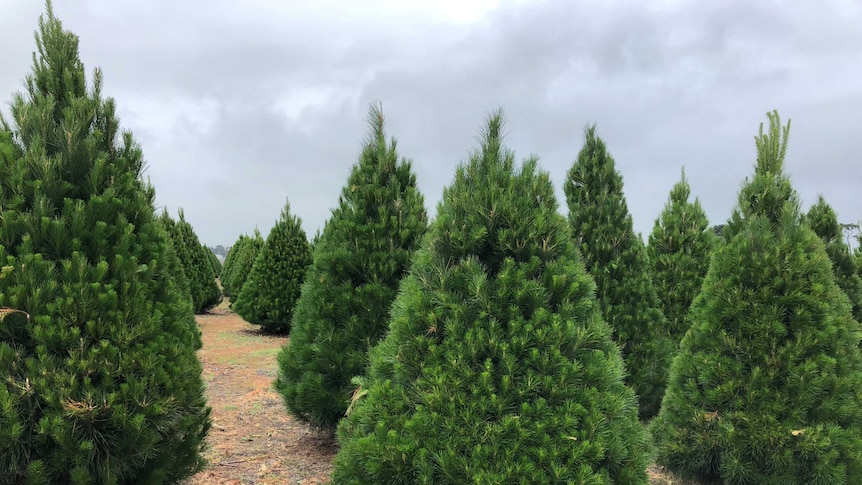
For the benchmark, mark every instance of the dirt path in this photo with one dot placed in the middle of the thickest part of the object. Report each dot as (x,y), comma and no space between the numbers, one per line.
(253,439)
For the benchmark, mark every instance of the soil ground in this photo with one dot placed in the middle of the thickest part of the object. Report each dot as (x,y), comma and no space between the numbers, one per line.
(253,440)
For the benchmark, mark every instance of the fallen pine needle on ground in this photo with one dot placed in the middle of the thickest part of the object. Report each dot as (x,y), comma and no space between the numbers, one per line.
(253,440)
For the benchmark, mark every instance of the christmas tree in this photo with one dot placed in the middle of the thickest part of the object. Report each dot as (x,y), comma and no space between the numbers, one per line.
(765,388)
(364,251)
(273,286)
(497,367)
(100,380)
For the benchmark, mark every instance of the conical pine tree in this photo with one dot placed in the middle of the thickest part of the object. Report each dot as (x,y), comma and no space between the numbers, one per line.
(821,218)
(205,291)
(766,386)
(229,261)
(99,380)
(679,249)
(616,257)
(364,251)
(275,282)
(246,250)
(167,225)
(195,262)
(214,261)
(497,367)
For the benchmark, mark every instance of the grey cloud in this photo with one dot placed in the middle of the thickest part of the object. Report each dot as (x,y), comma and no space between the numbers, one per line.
(668,84)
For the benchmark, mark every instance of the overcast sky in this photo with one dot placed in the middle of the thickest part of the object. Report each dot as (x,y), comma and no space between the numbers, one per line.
(240,105)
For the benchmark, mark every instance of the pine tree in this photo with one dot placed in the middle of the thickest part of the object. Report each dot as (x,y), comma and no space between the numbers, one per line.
(821,218)
(214,261)
(315,239)
(678,251)
(229,265)
(858,253)
(364,251)
(765,388)
(616,257)
(99,380)
(273,286)
(751,200)
(245,252)
(497,367)
(167,225)
(195,262)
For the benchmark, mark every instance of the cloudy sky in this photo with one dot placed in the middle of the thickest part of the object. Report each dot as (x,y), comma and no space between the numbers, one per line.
(239,106)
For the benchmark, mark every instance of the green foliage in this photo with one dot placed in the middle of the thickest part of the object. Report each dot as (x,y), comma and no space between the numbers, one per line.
(229,260)
(769,189)
(497,367)
(99,380)
(214,261)
(238,263)
(364,251)
(315,239)
(858,253)
(765,388)
(821,218)
(616,257)
(195,262)
(167,224)
(273,286)
(678,251)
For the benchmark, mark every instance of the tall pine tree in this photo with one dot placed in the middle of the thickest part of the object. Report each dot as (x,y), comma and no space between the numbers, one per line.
(821,218)
(497,367)
(275,282)
(616,257)
(363,252)
(679,249)
(766,386)
(99,380)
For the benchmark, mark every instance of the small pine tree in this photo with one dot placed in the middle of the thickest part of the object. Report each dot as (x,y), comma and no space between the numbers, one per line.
(678,251)
(167,225)
(195,262)
(821,218)
(765,388)
(273,286)
(497,367)
(246,251)
(214,261)
(229,265)
(616,257)
(363,253)
(99,380)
